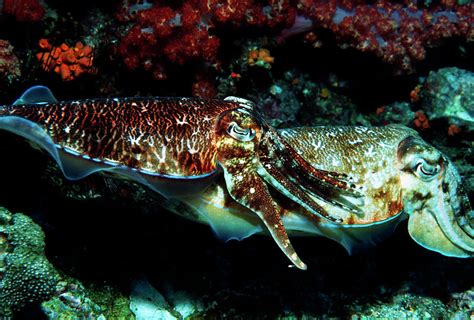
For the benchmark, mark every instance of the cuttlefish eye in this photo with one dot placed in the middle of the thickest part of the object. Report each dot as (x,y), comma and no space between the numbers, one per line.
(426,171)
(239,133)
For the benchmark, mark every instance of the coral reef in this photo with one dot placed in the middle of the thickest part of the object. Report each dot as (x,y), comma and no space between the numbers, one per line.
(9,63)
(24,10)
(295,100)
(26,275)
(147,303)
(161,34)
(260,57)
(464,303)
(397,112)
(203,88)
(421,122)
(398,34)
(68,62)
(71,301)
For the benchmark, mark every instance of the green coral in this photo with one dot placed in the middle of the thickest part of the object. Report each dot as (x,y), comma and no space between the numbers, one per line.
(75,301)
(26,275)
(71,302)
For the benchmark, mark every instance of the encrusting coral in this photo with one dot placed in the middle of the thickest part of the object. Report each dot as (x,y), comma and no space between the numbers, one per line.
(26,275)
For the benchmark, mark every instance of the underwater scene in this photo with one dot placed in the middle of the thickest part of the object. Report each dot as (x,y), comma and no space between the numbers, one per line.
(253,159)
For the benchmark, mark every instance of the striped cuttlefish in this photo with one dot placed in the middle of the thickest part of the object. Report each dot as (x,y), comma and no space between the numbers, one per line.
(228,168)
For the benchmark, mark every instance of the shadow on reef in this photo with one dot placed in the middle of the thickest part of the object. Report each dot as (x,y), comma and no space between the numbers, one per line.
(117,234)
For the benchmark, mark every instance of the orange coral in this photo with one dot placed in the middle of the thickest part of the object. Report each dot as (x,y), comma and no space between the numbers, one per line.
(415,94)
(69,62)
(453,130)
(421,121)
(260,57)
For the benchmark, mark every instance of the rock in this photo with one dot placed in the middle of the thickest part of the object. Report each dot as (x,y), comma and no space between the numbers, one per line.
(449,93)
(147,303)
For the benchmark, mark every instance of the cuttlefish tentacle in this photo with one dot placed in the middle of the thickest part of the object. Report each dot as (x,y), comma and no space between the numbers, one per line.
(276,175)
(280,159)
(237,154)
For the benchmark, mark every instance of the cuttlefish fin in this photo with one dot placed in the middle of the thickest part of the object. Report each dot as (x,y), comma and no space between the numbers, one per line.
(247,188)
(36,95)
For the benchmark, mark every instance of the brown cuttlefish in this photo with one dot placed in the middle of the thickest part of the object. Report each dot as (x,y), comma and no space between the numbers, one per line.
(228,168)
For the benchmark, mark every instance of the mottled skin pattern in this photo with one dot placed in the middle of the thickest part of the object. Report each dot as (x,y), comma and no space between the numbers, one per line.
(170,136)
(332,178)
(365,155)
(398,175)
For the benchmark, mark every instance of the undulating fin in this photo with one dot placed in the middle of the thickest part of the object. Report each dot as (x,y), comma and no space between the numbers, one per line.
(83,147)
(30,131)
(36,95)
(354,238)
(229,223)
(72,167)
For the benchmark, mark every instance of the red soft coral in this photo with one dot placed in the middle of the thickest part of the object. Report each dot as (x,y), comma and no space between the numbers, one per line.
(24,10)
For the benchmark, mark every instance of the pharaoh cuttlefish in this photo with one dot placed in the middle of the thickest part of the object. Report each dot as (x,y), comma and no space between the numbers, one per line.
(223,163)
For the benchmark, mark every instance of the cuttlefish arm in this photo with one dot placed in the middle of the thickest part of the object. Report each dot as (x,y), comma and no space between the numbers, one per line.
(441,218)
(303,182)
(237,135)
(246,153)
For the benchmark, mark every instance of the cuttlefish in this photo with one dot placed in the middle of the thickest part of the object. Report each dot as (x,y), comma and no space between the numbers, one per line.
(218,162)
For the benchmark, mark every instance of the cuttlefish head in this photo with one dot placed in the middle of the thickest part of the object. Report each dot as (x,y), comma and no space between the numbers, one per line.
(255,159)
(441,217)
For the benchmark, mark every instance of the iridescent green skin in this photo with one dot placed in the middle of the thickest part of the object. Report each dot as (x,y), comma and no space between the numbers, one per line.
(178,147)
(396,172)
